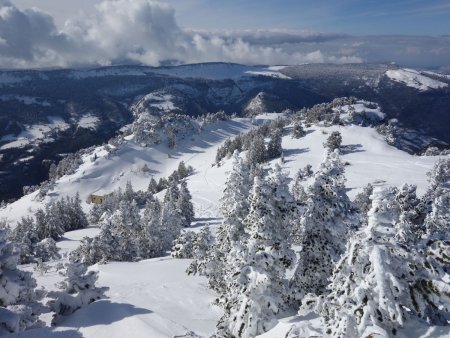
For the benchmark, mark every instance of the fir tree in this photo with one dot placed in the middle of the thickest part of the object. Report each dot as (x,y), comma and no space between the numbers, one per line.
(322,229)
(231,232)
(78,290)
(183,245)
(377,280)
(334,141)
(185,205)
(274,148)
(18,307)
(255,293)
(200,250)
(298,131)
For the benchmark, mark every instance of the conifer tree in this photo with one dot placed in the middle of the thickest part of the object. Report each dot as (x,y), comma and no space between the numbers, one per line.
(321,231)
(334,141)
(274,148)
(185,205)
(78,290)
(18,307)
(231,232)
(201,247)
(379,283)
(256,290)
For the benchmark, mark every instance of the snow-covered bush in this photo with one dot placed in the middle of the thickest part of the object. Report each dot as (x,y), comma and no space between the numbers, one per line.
(77,290)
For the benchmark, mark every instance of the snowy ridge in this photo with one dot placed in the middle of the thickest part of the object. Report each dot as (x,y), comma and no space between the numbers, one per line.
(414,79)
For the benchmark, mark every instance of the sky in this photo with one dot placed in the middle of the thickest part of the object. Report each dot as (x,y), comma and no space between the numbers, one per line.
(68,33)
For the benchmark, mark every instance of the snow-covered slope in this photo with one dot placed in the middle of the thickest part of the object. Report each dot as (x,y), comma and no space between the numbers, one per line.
(414,79)
(370,159)
(155,298)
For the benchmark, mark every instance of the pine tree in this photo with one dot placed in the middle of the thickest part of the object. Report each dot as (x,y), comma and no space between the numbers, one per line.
(24,236)
(185,205)
(298,131)
(152,186)
(201,247)
(231,232)
(18,307)
(53,222)
(183,245)
(274,148)
(46,250)
(171,217)
(334,141)
(256,154)
(78,290)
(363,201)
(76,217)
(153,231)
(255,293)
(322,229)
(379,283)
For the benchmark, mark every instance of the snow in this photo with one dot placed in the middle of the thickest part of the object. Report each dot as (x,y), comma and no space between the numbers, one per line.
(443,76)
(88,121)
(35,133)
(414,79)
(268,73)
(155,298)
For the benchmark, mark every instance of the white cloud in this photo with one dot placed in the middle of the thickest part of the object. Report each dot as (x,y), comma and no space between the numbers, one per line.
(146,32)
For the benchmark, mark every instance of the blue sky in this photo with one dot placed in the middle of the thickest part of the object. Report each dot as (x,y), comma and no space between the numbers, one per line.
(356,17)
(79,33)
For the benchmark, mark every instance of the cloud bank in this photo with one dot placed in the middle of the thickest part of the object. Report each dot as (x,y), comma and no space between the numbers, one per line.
(146,32)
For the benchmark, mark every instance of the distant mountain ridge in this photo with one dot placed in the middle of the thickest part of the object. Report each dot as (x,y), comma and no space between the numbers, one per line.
(91,105)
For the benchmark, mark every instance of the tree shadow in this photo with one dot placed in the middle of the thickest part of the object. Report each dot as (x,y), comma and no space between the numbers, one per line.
(47,332)
(102,312)
(351,148)
(293,152)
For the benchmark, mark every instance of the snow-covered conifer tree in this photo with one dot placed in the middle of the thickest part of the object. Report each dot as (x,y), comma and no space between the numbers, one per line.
(298,131)
(183,245)
(200,250)
(379,283)
(274,148)
(257,152)
(255,293)
(171,217)
(24,236)
(334,141)
(52,225)
(47,250)
(231,232)
(153,231)
(185,205)
(18,307)
(363,201)
(322,229)
(78,290)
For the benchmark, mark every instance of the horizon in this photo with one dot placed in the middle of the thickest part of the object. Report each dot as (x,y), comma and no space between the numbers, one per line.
(89,34)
